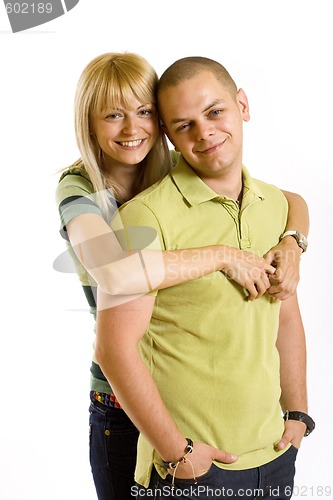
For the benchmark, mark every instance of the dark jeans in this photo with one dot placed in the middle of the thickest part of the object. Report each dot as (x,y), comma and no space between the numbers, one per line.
(113,442)
(274,480)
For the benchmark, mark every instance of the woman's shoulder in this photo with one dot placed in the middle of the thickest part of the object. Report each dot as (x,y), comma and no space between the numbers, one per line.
(76,169)
(74,181)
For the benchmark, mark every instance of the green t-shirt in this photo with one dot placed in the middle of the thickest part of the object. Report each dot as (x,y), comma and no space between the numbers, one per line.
(212,352)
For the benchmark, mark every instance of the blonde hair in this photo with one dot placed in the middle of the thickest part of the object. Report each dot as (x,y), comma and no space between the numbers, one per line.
(108,80)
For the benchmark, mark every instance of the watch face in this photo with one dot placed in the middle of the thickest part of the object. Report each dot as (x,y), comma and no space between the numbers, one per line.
(301,241)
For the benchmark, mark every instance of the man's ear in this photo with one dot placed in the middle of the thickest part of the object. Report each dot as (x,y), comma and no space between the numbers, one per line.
(243,105)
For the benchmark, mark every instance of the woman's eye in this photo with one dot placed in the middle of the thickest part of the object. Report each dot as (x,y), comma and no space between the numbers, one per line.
(112,116)
(146,112)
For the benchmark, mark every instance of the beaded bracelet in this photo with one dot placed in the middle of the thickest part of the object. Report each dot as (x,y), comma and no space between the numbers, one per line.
(184,459)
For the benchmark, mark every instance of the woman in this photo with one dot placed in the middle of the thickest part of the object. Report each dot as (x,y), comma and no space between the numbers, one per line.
(123,151)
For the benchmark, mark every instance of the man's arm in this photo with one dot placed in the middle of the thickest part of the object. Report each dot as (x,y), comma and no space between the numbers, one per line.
(119,330)
(292,349)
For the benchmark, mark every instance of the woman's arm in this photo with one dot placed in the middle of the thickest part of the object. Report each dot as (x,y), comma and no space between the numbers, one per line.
(120,272)
(286,255)
(298,215)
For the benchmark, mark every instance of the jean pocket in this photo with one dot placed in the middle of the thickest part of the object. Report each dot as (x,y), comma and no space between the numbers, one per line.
(294,449)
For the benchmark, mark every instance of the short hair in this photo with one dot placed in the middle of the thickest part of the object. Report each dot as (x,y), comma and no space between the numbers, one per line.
(187,67)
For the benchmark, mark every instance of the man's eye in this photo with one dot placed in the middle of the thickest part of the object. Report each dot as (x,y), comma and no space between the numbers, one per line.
(216,112)
(182,127)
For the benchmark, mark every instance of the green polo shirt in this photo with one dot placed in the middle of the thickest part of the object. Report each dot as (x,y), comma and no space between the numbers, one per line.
(210,351)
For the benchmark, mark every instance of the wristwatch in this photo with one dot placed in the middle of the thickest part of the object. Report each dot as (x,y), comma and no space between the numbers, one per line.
(302,241)
(302,417)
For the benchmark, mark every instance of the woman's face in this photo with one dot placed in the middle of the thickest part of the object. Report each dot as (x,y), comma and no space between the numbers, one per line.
(126,134)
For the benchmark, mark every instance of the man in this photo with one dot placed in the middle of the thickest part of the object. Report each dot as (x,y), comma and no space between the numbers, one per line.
(214,372)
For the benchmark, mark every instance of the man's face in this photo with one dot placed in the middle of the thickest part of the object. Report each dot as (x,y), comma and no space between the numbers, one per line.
(204,121)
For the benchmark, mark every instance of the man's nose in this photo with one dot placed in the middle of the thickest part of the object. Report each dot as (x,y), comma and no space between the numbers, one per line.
(203,131)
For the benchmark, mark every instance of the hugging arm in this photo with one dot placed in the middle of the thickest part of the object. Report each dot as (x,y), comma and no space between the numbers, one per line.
(99,251)
(123,272)
(286,255)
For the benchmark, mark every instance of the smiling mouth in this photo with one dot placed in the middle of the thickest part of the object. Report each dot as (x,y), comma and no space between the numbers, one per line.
(213,147)
(130,144)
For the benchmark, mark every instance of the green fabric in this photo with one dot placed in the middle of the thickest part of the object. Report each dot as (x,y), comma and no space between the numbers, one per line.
(74,195)
(211,352)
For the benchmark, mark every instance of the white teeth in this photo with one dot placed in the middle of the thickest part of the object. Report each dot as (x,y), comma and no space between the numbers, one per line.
(131,144)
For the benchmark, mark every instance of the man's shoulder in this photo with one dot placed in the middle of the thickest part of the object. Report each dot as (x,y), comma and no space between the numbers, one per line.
(268,189)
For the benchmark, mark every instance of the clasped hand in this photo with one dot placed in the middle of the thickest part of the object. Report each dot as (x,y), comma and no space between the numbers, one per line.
(277,273)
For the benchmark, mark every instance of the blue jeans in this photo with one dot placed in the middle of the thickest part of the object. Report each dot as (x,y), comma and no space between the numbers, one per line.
(274,480)
(113,441)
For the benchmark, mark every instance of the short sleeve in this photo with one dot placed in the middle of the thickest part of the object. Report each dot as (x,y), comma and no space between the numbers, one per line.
(74,196)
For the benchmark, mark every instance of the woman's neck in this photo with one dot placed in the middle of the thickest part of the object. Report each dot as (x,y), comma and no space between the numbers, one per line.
(123,176)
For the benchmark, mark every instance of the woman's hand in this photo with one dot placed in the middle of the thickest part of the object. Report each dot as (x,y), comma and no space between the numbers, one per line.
(248,270)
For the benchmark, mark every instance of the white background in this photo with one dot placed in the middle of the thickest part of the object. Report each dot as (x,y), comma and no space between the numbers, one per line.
(280,53)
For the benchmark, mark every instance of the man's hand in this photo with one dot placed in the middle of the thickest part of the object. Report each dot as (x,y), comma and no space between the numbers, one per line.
(293,433)
(201,459)
(286,258)
(248,270)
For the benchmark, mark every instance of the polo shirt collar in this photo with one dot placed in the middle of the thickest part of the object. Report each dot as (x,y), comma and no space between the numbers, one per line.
(251,190)
(195,191)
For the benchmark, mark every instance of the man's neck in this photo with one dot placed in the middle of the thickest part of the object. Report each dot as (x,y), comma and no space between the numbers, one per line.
(230,186)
